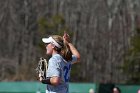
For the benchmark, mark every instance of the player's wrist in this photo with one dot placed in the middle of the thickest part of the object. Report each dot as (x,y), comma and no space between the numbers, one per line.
(70,44)
(46,81)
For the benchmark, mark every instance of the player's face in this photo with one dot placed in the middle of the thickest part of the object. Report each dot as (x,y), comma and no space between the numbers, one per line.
(49,49)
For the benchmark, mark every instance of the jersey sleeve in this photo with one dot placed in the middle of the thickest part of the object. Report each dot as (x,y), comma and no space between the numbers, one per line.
(54,67)
(74,58)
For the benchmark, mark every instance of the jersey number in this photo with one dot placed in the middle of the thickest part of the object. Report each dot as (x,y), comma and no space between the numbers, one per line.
(66,72)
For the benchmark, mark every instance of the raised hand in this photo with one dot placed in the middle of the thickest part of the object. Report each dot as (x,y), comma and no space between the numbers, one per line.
(66,37)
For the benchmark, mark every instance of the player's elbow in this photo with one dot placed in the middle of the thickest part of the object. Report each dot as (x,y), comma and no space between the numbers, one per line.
(55,81)
(78,58)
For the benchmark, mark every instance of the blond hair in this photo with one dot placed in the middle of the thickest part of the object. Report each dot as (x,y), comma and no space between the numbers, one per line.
(64,50)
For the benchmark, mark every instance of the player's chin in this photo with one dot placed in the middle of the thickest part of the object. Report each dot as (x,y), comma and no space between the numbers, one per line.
(48,53)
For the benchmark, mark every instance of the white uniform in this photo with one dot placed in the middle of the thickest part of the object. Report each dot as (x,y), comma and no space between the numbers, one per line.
(57,66)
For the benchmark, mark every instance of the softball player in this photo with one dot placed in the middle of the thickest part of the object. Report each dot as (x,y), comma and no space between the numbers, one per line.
(63,54)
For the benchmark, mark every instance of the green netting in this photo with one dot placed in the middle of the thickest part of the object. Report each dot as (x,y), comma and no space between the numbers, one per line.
(107,88)
(129,88)
(33,87)
(21,87)
(81,87)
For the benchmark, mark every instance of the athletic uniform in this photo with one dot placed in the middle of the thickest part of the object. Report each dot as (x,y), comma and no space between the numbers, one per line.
(57,66)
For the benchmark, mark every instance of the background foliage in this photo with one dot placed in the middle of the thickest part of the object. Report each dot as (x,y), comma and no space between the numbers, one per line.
(131,65)
(100,29)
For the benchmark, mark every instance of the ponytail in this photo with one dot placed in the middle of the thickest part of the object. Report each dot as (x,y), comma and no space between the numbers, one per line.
(65,49)
(66,52)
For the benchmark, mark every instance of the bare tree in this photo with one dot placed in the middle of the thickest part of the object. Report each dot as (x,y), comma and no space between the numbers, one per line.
(101,32)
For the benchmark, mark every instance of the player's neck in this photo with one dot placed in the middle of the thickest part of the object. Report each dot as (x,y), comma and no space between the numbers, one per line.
(55,52)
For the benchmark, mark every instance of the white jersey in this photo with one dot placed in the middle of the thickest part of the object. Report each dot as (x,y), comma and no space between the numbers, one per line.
(57,66)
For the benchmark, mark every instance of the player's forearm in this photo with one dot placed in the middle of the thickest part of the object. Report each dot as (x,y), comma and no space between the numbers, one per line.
(50,80)
(74,51)
(45,81)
